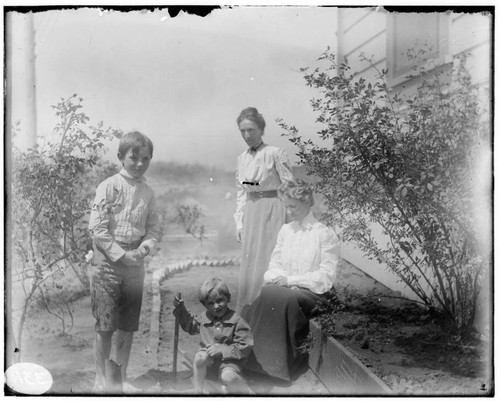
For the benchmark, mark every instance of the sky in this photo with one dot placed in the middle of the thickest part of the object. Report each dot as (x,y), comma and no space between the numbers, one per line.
(182,81)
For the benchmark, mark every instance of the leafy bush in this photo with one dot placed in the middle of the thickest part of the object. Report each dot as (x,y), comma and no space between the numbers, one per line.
(405,165)
(189,216)
(52,186)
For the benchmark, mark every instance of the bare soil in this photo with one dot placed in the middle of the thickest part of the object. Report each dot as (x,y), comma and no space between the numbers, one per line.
(404,347)
(187,283)
(407,349)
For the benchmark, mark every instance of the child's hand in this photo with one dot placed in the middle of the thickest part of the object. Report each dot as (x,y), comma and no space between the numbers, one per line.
(178,302)
(144,250)
(131,258)
(214,350)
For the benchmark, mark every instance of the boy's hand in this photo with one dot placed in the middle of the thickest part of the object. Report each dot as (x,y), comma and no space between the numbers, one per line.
(178,302)
(214,350)
(131,258)
(144,250)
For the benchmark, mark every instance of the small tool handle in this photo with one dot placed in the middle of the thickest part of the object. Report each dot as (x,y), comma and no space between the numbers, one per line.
(176,339)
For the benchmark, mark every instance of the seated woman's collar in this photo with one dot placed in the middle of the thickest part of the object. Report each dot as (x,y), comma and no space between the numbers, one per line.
(308,221)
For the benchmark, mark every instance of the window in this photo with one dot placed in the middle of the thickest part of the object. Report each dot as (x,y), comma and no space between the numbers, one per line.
(415,30)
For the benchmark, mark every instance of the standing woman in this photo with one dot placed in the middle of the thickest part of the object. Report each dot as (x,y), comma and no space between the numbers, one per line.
(259,212)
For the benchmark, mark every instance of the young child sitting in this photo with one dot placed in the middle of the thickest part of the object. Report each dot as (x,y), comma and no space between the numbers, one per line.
(226,339)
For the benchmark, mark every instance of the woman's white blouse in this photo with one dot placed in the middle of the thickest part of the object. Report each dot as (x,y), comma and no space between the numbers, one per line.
(268,166)
(306,254)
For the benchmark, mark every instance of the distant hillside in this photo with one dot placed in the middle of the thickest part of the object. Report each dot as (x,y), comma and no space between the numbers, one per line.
(178,173)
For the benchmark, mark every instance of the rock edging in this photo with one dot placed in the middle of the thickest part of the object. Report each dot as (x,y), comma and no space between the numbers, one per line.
(180,266)
(336,367)
(159,276)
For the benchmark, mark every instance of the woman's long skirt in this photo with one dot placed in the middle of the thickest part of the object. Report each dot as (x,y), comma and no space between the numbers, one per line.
(262,221)
(279,319)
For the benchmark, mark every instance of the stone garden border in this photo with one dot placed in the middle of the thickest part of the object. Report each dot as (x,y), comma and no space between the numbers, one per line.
(337,368)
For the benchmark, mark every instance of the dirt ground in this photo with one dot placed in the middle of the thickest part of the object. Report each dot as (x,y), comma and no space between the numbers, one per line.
(70,358)
(402,345)
(408,355)
(409,352)
(186,283)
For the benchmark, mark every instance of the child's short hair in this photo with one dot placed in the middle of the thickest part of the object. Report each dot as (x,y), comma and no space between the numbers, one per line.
(134,140)
(213,286)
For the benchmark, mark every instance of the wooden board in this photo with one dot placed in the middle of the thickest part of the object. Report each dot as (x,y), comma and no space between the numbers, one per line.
(339,370)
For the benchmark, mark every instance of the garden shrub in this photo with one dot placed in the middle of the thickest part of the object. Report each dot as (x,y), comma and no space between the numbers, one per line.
(52,186)
(189,216)
(406,165)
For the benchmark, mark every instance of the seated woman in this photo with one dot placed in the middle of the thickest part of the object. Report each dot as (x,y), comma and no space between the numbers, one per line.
(300,273)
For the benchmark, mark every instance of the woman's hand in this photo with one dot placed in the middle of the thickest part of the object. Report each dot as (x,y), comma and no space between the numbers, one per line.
(280,280)
(239,235)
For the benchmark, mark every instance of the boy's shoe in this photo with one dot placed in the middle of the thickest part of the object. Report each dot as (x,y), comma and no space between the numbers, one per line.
(98,389)
(199,392)
(128,388)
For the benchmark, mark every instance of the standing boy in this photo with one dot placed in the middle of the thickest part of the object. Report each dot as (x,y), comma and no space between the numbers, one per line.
(226,339)
(124,226)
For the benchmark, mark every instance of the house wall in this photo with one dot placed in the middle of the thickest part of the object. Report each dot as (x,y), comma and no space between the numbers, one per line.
(369,31)
(471,33)
(362,30)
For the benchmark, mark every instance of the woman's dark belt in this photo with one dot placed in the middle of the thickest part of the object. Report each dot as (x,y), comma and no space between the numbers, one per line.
(254,195)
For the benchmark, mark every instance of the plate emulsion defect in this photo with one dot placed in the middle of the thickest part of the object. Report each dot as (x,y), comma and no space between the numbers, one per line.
(28,378)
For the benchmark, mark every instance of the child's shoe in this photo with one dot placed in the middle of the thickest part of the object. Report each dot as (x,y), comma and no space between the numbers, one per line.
(128,388)
(98,389)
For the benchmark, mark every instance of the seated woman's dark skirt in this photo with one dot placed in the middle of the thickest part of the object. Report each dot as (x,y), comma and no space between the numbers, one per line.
(279,319)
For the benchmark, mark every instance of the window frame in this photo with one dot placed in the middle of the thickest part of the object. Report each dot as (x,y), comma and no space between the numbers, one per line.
(398,76)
